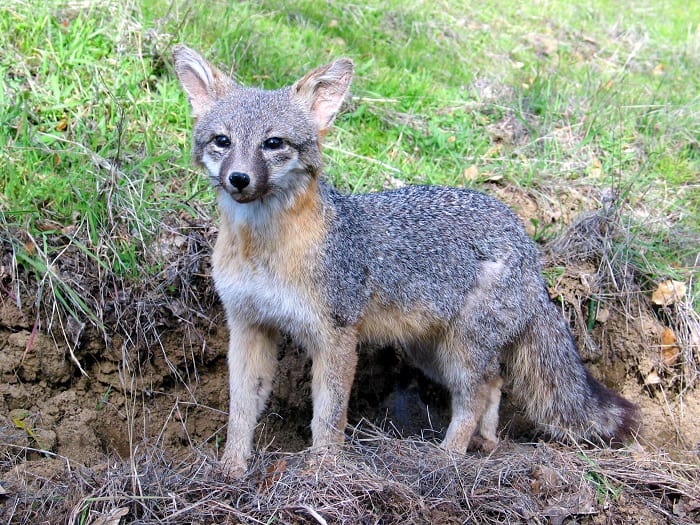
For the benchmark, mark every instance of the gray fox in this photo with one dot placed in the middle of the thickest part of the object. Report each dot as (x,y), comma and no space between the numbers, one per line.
(447,273)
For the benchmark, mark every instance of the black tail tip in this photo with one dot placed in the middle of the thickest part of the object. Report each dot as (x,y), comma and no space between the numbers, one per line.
(623,415)
(629,422)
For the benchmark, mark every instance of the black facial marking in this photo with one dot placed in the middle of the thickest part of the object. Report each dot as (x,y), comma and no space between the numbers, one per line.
(262,174)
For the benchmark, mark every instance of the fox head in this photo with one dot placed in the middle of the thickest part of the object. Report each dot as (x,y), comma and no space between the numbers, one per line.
(259,144)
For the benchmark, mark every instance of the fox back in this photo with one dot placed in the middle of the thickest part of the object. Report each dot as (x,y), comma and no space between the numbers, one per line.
(422,253)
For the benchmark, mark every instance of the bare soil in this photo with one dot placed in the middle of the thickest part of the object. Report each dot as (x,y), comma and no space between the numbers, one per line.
(155,378)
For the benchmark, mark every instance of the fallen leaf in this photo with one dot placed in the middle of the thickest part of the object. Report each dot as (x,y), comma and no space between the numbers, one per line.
(670,354)
(602,315)
(545,479)
(668,337)
(686,505)
(573,505)
(62,124)
(274,473)
(19,418)
(471,173)
(491,177)
(45,225)
(393,183)
(545,45)
(493,151)
(652,379)
(668,292)
(670,351)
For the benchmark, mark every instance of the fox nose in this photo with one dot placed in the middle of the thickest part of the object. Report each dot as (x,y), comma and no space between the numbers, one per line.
(239,180)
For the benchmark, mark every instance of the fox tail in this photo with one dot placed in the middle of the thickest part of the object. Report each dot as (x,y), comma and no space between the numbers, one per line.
(557,392)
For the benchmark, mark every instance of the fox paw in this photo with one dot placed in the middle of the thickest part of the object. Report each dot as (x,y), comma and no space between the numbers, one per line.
(233,467)
(483,444)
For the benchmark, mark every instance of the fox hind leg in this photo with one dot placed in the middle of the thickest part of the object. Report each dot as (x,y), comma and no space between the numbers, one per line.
(333,371)
(465,409)
(471,374)
(490,391)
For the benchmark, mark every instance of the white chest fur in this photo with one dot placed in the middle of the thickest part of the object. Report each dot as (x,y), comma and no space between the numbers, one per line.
(261,298)
(265,264)
(259,295)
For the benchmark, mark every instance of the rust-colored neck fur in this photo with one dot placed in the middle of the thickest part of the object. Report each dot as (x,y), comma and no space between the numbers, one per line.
(286,243)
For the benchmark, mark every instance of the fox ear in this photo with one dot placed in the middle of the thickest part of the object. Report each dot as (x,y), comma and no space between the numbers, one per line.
(324,89)
(203,83)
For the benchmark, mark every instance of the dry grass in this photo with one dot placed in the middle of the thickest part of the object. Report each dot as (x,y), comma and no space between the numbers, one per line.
(69,288)
(374,479)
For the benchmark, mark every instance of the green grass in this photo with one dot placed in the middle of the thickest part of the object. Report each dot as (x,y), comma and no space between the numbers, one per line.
(546,96)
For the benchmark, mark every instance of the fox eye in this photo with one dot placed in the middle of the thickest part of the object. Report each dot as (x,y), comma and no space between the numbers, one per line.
(273,143)
(221,141)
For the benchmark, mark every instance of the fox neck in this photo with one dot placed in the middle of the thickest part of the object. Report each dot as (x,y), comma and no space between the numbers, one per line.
(277,233)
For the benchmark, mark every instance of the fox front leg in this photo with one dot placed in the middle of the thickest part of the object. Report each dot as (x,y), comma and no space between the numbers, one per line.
(333,371)
(252,361)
